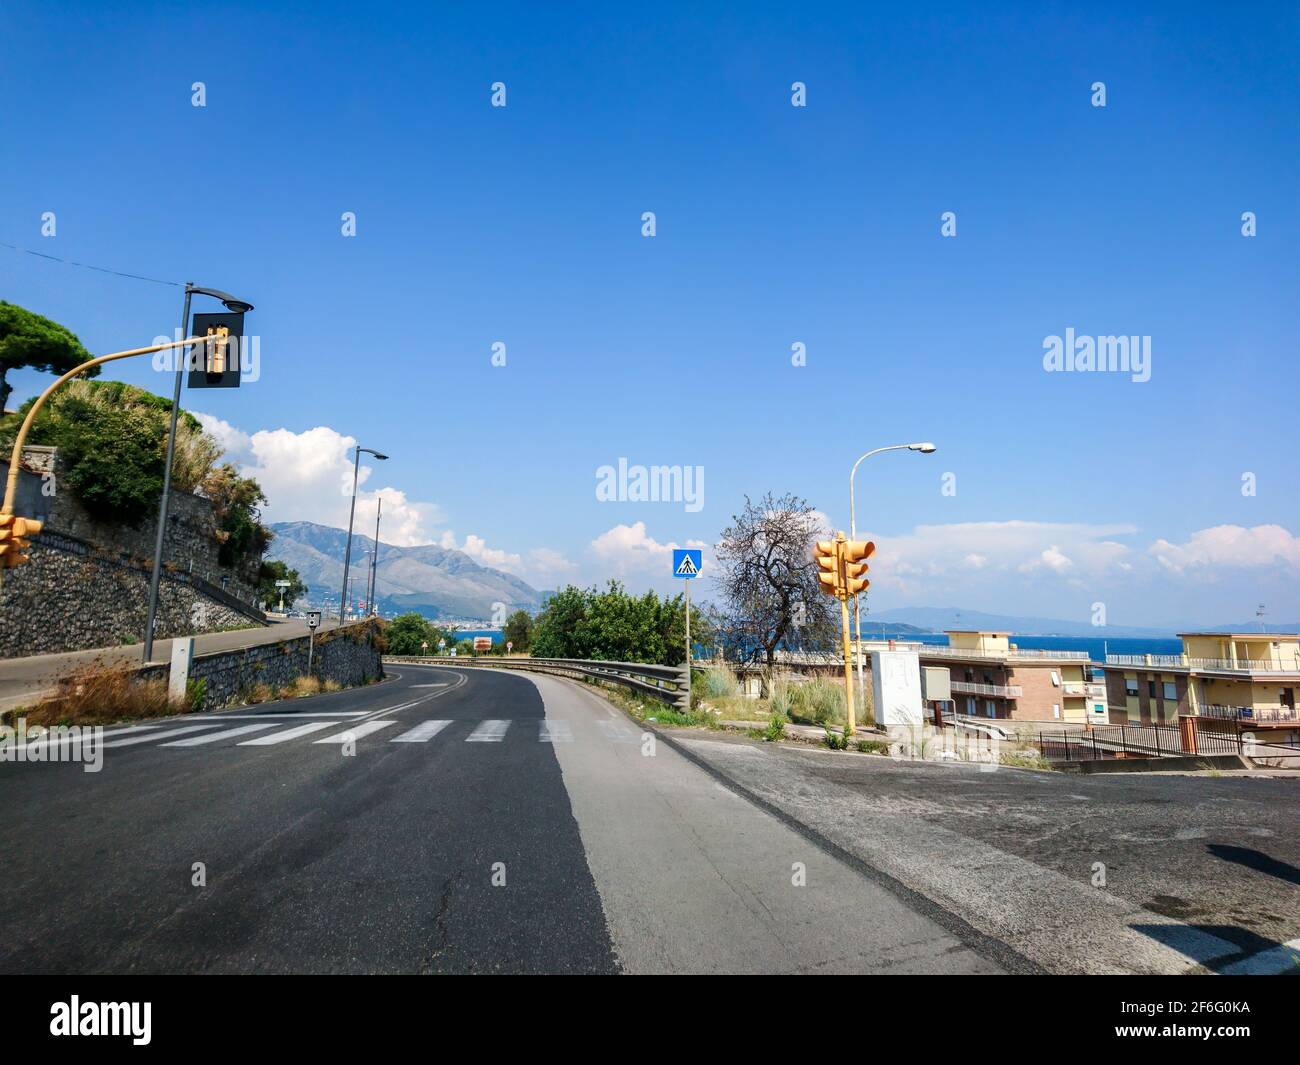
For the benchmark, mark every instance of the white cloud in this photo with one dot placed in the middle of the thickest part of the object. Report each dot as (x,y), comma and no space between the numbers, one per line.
(307,476)
(629,550)
(1230,547)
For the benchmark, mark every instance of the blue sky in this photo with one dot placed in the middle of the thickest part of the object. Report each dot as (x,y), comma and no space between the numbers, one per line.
(776,225)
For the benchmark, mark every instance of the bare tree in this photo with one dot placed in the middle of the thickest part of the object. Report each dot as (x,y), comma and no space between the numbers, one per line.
(768,579)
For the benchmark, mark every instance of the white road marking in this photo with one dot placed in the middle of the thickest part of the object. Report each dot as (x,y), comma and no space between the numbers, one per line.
(46,741)
(555,730)
(357,731)
(148,736)
(218,718)
(489,732)
(288,734)
(616,732)
(443,684)
(213,737)
(422,733)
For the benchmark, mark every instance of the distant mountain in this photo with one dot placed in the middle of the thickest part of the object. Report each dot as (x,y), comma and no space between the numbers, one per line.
(937,619)
(1290,628)
(437,582)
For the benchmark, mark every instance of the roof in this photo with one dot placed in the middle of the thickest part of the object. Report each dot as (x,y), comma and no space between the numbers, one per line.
(1243,635)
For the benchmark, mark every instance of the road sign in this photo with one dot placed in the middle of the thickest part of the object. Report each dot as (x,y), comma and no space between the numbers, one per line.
(482,643)
(284,584)
(687,562)
(510,646)
(313,618)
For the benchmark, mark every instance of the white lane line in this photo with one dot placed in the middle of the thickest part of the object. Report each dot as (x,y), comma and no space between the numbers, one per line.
(219,718)
(385,711)
(555,730)
(422,733)
(442,685)
(492,731)
(288,734)
(357,731)
(148,736)
(213,737)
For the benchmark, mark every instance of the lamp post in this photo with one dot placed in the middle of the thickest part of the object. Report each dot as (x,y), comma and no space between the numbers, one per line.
(155,576)
(924,448)
(374,558)
(347,555)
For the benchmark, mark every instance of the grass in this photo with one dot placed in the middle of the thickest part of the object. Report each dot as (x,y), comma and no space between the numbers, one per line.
(102,697)
(644,708)
(1024,760)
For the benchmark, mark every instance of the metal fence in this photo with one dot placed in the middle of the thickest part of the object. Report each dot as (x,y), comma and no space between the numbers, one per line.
(1130,741)
(668,684)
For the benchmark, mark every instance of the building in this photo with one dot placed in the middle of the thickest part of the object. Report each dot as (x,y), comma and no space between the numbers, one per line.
(991,677)
(1231,681)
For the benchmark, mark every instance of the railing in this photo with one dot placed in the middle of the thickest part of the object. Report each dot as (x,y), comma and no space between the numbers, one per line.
(937,650)
(1221,665)
(1129,741)
(668,684)
(1006,691)
(1251,714)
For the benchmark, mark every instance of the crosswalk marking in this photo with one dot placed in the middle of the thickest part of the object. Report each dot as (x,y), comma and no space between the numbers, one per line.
(422,733)
(56,739)
(554,730)
(356,732)
(148,736)
(616,732)
(288,734)
(213,737)
(491,731)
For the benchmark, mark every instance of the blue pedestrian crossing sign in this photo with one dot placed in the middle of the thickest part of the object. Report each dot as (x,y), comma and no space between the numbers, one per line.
(687,561)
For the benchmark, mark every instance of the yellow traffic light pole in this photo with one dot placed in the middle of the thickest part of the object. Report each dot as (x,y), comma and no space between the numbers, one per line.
(21,527)
(843,563)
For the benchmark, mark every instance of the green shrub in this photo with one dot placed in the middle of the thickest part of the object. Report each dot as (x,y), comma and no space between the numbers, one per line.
(719,681)
(818,701)
(873,747)
(775,729)
(836,741)
(196,693)
(780,699)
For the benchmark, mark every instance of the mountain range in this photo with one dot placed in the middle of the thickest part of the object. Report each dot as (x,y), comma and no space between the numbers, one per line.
(438,582)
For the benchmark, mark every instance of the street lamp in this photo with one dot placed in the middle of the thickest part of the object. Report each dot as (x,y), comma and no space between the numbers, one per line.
(925,448)
(232,304)
(374,559)
(347,555)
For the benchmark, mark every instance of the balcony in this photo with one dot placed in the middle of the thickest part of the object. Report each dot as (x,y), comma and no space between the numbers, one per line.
(1002,691)
(1248,715)
(1209,665)
(1082,688)
(936,651)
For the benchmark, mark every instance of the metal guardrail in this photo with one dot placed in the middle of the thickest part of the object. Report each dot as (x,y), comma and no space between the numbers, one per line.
(668,684)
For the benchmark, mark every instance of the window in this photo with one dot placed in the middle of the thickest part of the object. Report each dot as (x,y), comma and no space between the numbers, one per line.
(991,707)
(1171,692)
(1056,679)
(1056,710)
(1151,689)
(1130,686)
(970,705)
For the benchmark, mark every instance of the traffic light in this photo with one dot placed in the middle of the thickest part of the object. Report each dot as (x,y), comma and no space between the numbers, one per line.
(14,542)
(827,556)
(855,554)
(216,362)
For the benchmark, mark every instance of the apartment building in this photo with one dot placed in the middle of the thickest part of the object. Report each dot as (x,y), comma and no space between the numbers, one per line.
(992,677)
(1232,681)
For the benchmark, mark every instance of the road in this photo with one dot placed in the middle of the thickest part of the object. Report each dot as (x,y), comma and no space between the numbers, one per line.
(478,821)
(25,679)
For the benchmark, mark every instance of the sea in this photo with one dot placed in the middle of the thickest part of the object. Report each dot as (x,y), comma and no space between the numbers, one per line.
(1097,647)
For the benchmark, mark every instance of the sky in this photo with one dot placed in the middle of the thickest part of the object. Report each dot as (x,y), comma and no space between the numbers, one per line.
(797,305)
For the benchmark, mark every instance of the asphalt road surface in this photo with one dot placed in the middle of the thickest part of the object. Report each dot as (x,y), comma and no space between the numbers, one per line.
(444,821)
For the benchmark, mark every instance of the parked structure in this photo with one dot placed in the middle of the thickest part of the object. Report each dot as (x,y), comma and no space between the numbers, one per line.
(991,677)
(1231,681)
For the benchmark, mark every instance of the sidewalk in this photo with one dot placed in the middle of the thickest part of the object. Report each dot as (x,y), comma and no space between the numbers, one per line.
(25,680)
